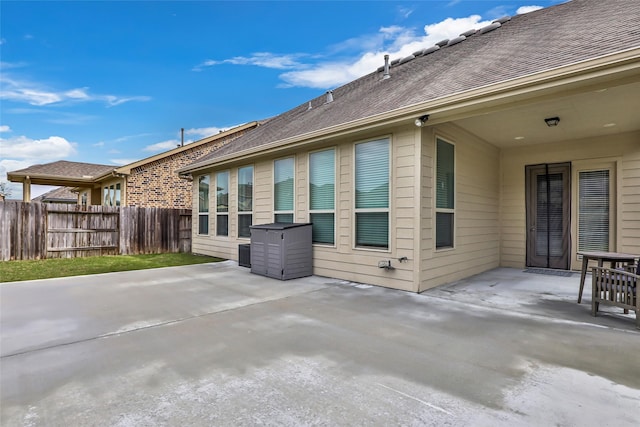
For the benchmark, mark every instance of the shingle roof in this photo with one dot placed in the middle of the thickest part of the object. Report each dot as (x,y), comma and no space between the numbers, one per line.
(60,194)
(527,44)
(65,169)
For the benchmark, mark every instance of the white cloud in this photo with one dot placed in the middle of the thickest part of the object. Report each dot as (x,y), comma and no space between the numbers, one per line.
(260,59)
(5,128)
(21,147)
(36,94)
(396,41)
(526,9)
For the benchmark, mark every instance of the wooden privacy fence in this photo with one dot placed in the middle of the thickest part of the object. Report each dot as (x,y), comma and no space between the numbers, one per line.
(41,230)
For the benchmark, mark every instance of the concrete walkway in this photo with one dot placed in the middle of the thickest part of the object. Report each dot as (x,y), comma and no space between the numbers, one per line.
(212,344)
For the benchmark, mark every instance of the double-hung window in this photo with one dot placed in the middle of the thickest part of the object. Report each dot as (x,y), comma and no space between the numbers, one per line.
(203,204)
(283,172)
(372,194)
(222,203)
(245,201)
(322,195)
(593,210)
(445,194)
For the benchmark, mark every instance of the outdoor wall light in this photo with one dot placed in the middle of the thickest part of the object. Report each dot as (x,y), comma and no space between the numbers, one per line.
(552,121)
(420,121)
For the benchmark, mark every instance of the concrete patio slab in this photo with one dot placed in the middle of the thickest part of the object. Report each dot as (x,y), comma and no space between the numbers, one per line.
(214,345)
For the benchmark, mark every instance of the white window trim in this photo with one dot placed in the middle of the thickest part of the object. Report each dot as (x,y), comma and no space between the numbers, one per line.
(209,207)
(253,191)
(335,195)
(366,210)
(273,183)
(228,204)
(455,194)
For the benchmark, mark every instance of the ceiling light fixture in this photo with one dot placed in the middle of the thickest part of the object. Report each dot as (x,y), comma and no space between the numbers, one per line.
(420,121)
(608,125)
(519,138)
(552,121)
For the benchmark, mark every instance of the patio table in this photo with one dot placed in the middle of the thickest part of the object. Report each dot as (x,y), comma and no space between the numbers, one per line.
(613,258)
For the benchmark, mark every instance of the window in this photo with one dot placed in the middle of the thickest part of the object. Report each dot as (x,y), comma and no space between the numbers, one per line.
(372,193)
(283,172)
(112,195)
(84,199)
(245,201)
(203,204)
(593,210)
(222,204)
(322,196)
(117,195)
(445,189)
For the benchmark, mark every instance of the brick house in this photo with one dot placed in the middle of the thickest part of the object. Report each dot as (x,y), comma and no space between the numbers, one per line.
(150,182)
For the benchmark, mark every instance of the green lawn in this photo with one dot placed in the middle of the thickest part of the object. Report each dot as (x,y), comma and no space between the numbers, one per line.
(11,271)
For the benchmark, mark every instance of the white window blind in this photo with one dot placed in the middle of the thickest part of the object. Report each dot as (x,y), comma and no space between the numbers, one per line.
(593,210)
(245,201)
(372,193)
(203,204)
(283,172)
(322,175)
(222,203)
(445,194)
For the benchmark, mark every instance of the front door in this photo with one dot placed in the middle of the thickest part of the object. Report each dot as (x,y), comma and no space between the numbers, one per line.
(548,198)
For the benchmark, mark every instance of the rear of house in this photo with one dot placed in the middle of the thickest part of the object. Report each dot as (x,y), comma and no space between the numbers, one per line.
(486,151)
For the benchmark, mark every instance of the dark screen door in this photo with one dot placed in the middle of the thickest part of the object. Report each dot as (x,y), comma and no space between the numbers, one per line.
(548,198)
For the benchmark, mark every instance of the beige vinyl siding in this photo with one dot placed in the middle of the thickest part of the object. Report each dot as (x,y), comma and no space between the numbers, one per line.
(476,221)
(629,239)
(622,150)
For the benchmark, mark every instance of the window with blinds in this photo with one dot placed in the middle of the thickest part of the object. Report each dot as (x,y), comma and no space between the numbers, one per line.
(222,203)
(322,196)
(445,194)
(245,201)
(203,204)
(283,193)
(593,210)
(372,193)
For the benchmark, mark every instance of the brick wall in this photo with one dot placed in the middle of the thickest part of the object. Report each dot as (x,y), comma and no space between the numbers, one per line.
(157,184)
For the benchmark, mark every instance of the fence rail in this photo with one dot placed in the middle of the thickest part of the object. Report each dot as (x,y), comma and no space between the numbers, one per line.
(41,230)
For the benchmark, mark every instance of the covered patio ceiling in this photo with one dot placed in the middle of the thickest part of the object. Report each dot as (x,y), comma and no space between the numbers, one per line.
(600,111)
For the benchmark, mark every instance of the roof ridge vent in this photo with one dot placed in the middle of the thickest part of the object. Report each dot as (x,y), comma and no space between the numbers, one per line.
(442,43)
(431,49)
(469,32)
(406,59)
(329,96)
(490,27)
(395,61)
(502,20)
(456,40)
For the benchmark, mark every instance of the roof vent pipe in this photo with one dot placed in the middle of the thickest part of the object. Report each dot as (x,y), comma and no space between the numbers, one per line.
(329,96)
(182,137)
(386,74)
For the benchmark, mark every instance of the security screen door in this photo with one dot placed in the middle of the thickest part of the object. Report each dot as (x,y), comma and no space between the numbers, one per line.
(548,198)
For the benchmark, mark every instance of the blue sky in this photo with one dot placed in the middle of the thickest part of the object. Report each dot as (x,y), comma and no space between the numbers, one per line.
(113,82)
